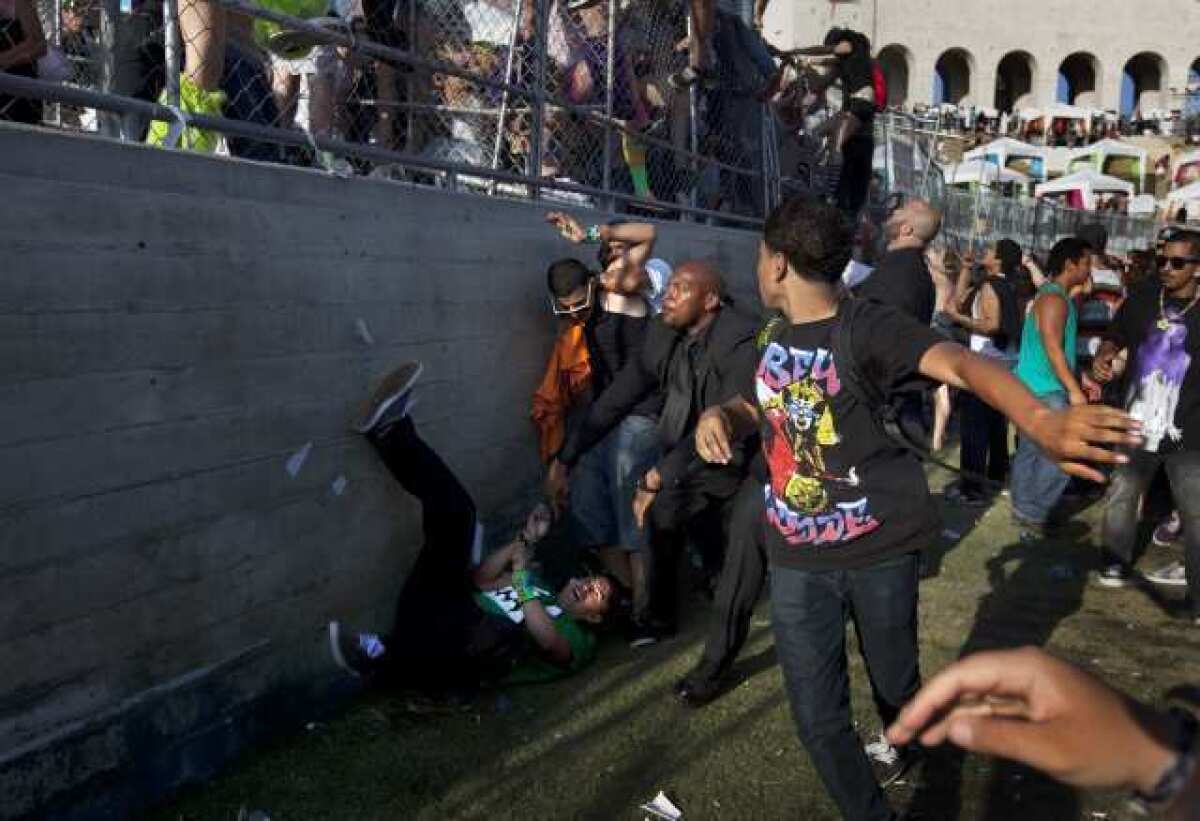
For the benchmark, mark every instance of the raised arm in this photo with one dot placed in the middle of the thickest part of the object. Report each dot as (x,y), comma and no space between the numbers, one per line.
(33,46)
(1072,437)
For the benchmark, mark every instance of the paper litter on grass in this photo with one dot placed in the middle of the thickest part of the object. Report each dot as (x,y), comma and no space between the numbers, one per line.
(662,807)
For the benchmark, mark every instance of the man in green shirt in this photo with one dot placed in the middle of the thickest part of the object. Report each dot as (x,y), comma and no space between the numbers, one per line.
(459,621)
(1047,367)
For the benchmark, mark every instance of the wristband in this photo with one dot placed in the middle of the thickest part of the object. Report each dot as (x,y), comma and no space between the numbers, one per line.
(523,586)
(593,234)
(1179,774)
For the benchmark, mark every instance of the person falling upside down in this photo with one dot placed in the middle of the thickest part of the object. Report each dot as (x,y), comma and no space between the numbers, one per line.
(497,621)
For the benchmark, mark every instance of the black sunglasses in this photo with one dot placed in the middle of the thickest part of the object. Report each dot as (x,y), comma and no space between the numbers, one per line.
(1178,263)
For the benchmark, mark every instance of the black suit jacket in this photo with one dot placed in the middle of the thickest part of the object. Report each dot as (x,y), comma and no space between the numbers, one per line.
(728,359)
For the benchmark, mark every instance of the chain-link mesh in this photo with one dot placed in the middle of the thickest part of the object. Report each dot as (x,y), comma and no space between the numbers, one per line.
(563,93)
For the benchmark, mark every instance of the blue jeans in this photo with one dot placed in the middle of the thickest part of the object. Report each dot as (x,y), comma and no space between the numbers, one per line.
(604,482)
(1037,482)
(808,613)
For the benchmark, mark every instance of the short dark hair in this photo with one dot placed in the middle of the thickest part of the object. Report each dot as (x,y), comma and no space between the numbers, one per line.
(1189,235)
(1071,249)
(816,238)
(1009,254)
(1095,235)
(565,276)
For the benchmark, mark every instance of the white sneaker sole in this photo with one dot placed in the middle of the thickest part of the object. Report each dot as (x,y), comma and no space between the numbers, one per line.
(1112,583)
(1167,582)
(335,632)
(383,406)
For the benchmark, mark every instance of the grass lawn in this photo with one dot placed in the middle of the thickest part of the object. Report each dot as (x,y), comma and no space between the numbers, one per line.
(597,745)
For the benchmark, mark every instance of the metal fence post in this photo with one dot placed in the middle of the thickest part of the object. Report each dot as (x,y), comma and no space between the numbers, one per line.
(542,11)
(693,132)
(110,16)
(171,51)
(610,62)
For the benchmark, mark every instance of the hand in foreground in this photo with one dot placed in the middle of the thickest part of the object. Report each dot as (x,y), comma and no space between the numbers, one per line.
(557,488)
(1075,436)
(713,433)
(1028,706)
(567,225)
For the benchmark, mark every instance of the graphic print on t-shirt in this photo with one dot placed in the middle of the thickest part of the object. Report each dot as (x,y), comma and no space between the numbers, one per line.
(506,599)
(1159,368)
(795,389)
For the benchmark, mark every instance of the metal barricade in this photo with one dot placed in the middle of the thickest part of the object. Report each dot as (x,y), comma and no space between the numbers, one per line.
(573,98)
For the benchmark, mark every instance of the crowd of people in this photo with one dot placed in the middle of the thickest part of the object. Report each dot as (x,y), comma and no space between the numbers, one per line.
(625,122)
(680,429)
(684,435)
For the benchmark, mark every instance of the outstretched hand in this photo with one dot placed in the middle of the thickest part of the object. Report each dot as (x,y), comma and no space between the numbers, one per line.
(1086,433)
(568,226)
(1028,706)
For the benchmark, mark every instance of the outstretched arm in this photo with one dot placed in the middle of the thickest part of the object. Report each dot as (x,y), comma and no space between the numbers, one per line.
(719,427)
(1072,437)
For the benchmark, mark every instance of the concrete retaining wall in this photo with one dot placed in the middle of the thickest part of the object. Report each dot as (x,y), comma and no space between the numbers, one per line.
(172,330)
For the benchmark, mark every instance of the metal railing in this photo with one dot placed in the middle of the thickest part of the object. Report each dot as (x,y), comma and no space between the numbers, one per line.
(558,99)
(972,220)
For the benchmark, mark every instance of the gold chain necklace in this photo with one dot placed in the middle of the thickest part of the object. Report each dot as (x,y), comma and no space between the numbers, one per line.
(1164,322)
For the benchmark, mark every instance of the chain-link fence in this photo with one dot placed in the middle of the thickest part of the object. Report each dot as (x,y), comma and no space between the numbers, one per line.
(907,161)
(583,101)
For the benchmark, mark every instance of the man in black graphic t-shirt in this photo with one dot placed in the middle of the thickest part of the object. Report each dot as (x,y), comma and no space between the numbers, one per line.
(846,509)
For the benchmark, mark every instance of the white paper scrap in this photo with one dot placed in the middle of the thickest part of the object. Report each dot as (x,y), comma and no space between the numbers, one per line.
(296,461)
(662,807)
(364,333)
(339,485)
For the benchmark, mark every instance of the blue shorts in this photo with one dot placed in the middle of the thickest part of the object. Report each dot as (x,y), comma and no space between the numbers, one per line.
(604,482)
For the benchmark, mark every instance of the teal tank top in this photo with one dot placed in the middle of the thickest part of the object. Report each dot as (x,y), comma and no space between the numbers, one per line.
(1033,367)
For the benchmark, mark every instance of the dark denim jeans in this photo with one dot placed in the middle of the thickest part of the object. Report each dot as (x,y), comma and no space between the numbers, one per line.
(809,610)
(984,449)
(1037,482)
(1128,485)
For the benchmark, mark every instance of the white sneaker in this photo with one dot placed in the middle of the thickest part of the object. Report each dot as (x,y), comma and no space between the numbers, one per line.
(1174,574)
(887,761)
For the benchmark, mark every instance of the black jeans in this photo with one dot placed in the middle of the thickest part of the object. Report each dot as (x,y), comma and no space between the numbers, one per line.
(1129,483)
(742,578)
(694,509)
(809,610)
(984,443)
(467,644)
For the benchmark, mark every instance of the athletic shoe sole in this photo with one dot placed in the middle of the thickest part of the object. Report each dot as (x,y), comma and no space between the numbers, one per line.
(1104,581)
(335,649)
(1171,582)
(393,386)
(1159,541)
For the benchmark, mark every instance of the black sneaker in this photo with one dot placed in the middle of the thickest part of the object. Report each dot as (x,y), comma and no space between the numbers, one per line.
(645,632)
(888,762)
(1113,575)
(956,495)
(391,400)
(357,654)
(699,688)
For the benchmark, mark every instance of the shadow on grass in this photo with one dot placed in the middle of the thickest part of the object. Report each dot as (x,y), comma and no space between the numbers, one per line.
(1034,587)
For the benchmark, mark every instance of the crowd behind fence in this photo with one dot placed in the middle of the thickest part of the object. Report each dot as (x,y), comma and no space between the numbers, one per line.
(907,162)
(570,100)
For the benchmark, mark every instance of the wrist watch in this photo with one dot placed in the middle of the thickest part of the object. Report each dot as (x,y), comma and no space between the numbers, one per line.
(1179,774)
